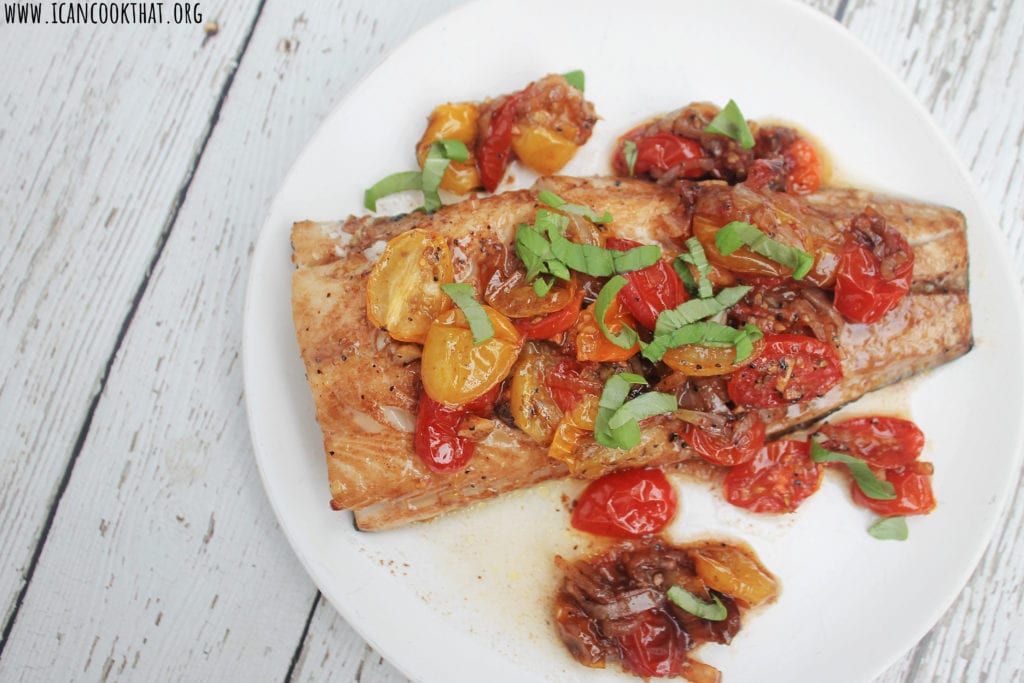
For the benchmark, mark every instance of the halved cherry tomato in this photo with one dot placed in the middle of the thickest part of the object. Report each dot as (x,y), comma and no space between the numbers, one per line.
(650,290)
(654,646)
(779,478)
(661,151)
(875,270)
(534,409)
(913,484)
(695,360)
(884,442)
(453,121)
(542,149)
(568,385)
(547,326)
(437,440)
(403,292)
(454,369)
(507,291)
(591,344)
(574,426)
(792,368)
(803,167)
(626,504)
(743,442)
(494,145)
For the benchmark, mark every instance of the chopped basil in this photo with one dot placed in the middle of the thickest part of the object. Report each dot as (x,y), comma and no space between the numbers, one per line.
(576,79)
(626,337)
(556,202)
(704,333)
(441,154)
(730,123)
(618,421)
(712,611)
(870,485)
(392,184)
(736,234)
(698,309)
(629,152)
(464,297)
(696,257)
(890,529)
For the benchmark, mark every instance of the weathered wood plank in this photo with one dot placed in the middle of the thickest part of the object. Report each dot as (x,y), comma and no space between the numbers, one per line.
(165,561)
(945,52)
(99,136)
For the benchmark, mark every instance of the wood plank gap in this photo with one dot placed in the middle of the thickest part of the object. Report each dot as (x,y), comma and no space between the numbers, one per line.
(164,236)
(302,640)
(841,10)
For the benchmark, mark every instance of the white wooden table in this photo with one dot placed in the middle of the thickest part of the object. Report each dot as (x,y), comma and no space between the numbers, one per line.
(136,541)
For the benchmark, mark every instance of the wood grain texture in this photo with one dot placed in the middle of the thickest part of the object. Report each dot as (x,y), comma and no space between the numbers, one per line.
(944,52)
(98,139)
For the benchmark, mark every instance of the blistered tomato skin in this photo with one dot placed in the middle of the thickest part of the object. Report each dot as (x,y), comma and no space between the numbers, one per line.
(741,447)
(626,504)
(882,441)
(494,147)
(661,152)
(778,479)
(792,368)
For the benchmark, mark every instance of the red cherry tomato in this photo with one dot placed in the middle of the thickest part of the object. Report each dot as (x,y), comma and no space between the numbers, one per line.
(650,290)
(437,441)
(863,294)
(913,484)
(661,151)
(741,446)
(494,150)
(792,368)
(547,326)
(568,385)
(626,504)
(884,442)
(654,646)
(804,167)
(779,478)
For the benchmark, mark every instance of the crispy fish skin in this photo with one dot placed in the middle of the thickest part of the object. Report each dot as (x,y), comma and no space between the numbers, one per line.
(365,385)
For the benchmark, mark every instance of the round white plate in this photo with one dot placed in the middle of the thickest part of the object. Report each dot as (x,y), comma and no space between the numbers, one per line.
(466,598)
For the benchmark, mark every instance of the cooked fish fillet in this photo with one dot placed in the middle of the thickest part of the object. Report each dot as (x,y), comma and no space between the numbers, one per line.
(365,385)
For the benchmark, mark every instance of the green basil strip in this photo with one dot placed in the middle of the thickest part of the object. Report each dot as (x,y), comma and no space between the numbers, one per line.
(642,407)
(629,152)
(736,234)
(636,258)
(533,250)
(576,79)
(870,485)
(698,309)
(542,286)
(464,297)
(441,154)
(613,395)
(704,333)
(392,184)
(730,123)
(556,202)
(624,338)
(696,257)
(890,529)
(712,611)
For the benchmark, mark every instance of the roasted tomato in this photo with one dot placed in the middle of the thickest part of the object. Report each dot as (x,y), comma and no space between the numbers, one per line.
(592,345)
(494,140)
(733,445)
(661,152)
(729,570)
(570,382)
(576,423)
(791,368)
(508,292)
(403,292)
(534,409)
(875,269)
(453,122)
(547,326)
(437,440)
(913,484)
(626,504)
(694,360)
(779,478)
(542,149)
(803,167)
(654,646)
(454,369)
(650,290)
(884,442)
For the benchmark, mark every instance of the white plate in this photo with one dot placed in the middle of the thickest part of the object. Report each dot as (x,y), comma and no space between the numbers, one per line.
(465,598)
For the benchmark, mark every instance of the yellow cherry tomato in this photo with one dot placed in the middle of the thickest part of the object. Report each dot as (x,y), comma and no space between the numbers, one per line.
(533,407)
(592,345)
(703,361)
(403,292)
(542,149)
(453,121)
(729,570)
(454,369)
(574,426)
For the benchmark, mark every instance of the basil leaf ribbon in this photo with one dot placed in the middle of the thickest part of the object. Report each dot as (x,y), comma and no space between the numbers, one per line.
(441,154)
(712,611)
(464,297)
(736,234)
(618,421)
(870,485)
(730,123)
